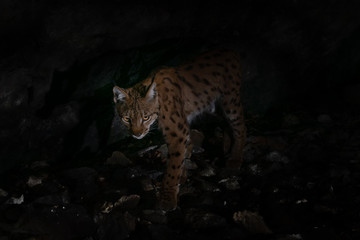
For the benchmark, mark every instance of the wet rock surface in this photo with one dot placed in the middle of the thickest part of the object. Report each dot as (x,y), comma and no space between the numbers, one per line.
(297,182)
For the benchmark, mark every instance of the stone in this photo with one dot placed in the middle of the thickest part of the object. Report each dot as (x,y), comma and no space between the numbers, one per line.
(351,94)
(91,138)
(231,183)
(129,221)
(186,189)
(201,219)
(118,158)
(146,150)
(290,120)
(33,181)
(147,184)
(163,150)
(154,216)
(160,232)
(118,130)
(16,200)
(197,139)
(81,182)
(208,172)
(3,193)
(39,165)
(128,202)
(324,119)
(54,199)
(190,165)
(252,221)
(208,186)
(276,157)
(70,221)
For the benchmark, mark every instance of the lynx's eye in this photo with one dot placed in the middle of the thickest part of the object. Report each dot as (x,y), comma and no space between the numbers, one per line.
(146,117)
(126,119)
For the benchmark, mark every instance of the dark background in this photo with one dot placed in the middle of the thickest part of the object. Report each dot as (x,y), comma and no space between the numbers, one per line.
(60,59)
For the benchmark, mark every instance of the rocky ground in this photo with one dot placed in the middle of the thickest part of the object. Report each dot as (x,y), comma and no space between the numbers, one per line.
(300,180)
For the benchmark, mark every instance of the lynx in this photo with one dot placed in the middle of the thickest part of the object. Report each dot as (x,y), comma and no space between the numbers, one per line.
(173,96)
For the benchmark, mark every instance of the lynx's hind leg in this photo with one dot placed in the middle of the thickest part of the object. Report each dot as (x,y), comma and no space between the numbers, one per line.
(233,112)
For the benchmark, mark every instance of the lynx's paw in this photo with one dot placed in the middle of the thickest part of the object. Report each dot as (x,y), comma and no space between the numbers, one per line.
(168,199)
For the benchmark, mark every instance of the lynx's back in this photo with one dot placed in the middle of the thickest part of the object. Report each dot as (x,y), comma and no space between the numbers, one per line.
(202,81)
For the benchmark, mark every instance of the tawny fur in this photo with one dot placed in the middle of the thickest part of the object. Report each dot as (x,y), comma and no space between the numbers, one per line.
(175,95)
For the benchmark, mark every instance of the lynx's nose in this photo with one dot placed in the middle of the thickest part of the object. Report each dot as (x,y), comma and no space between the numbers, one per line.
(138,135)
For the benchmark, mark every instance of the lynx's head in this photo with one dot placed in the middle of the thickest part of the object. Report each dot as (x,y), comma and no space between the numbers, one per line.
(137,107)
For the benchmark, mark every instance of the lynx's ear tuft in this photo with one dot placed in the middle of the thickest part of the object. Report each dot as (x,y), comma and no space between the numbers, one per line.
(119,94)
(151,93)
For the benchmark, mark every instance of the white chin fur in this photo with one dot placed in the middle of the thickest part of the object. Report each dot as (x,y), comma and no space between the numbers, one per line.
(139,137)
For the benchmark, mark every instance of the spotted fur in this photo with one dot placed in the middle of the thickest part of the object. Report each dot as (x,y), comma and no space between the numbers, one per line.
(174,96)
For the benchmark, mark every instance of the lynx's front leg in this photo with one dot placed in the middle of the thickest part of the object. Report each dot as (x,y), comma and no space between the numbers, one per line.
(177,136)
(175,172)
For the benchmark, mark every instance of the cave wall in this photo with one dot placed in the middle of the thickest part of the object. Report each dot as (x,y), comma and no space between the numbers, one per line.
(60,59)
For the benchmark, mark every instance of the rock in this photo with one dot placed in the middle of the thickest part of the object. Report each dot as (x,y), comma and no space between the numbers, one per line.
(154,216)
(201,219)
(3,193)
(91,139)
(39,166)
(351,94)
(16,200)
(208,172)
(197,139)
(33,181)
(255,169)
(290,120)
(252,221)
(324,119)
(146,150)
(147,184)
(66,115)
(14,92)
(109,226)
(208,186)
(132,173)
(69,221)
(118,158)
(115,225)
(190,165)
(50,188)
(229,172)
(118,130)
(128,202)
(291,237)
(129,221)
(160,232)
(107,207)
(230,183)
(197,149)
(81,182)
(276,157)
(54,199)
(12,214)
(154,174)
(163,150)
(186,189)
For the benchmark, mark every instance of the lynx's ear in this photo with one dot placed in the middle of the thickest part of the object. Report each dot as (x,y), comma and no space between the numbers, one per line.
(119,94)
(151,93)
